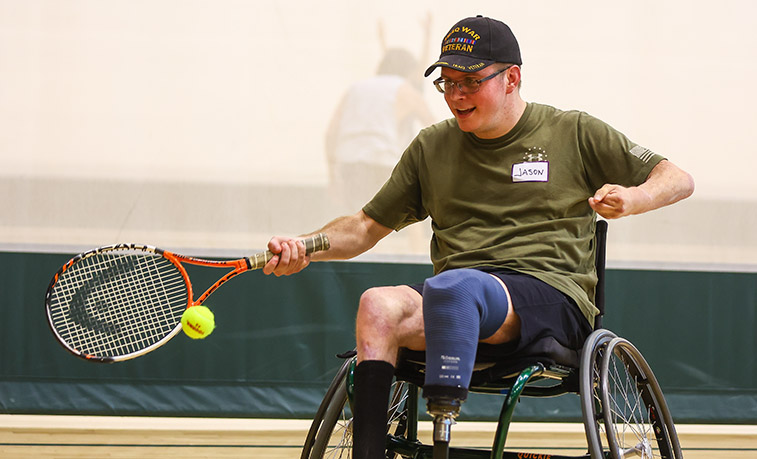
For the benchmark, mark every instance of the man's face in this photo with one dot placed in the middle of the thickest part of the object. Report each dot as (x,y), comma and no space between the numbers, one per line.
(482,112)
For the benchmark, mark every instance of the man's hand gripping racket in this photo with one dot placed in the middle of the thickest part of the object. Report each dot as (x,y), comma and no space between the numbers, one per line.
(122,301)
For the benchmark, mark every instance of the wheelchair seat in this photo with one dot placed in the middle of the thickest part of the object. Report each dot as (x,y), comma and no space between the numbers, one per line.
(496,365)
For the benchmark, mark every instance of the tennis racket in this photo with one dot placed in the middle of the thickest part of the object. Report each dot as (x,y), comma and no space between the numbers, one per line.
(122,301)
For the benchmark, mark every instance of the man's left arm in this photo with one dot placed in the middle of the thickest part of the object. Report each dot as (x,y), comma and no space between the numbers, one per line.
(665,185)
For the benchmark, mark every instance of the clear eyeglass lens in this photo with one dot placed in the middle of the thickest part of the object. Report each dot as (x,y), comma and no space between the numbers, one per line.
(467,86)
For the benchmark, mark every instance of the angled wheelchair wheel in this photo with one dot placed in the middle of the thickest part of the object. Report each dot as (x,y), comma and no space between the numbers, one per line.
(335,394)
(636,418)
(330,434)
(591,403)
(334,437)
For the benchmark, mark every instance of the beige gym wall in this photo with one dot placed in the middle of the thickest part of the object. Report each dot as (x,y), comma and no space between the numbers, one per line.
(201,125)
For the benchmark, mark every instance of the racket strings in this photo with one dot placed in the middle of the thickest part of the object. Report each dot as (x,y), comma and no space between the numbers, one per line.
(115,304)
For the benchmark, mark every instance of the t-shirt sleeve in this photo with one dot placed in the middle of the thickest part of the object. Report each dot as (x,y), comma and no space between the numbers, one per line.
(399,202)
(610,157)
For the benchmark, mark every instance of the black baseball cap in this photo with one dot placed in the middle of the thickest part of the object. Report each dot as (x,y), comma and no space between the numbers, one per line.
(475,43)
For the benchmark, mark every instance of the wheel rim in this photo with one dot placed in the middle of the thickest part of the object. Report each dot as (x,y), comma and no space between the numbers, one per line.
(591,359)
(340,442)
(631,415)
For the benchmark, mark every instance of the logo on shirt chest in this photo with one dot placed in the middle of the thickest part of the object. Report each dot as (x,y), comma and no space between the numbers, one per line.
(533,168)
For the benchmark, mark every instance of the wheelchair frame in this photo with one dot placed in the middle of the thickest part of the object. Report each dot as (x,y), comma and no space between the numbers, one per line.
(618,391)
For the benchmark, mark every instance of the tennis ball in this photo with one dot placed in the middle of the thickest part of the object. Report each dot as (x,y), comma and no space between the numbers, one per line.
(198,322)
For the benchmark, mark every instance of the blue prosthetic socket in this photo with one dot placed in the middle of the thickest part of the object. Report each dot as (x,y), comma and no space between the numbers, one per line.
(460,307)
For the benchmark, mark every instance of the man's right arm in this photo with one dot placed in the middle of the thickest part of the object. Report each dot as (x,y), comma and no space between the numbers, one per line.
(349,237)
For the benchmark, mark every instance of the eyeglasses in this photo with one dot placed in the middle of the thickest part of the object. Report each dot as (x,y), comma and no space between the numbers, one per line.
(466,86)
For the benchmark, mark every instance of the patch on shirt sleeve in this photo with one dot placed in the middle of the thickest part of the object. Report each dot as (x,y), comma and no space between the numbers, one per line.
(642,153)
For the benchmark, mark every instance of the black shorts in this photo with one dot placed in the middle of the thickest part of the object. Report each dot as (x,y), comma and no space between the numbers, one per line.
(543,311)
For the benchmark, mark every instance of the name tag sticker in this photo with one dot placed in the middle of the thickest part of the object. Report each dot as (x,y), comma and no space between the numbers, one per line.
(531,172)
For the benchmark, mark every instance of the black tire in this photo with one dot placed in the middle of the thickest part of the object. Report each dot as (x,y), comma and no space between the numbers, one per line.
(636,418)
(334,438)
(330,434)
(591,359)
(327,401)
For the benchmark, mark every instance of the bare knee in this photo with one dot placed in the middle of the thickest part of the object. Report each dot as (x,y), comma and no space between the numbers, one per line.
(373,305)
(378,312)
(387,319)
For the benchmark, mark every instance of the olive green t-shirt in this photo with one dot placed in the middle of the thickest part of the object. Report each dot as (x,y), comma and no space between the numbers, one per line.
(518,202)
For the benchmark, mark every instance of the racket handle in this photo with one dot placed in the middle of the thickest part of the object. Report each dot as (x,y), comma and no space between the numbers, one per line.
(315,243)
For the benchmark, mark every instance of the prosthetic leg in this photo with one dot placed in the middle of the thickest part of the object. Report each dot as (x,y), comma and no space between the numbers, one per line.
(460,307)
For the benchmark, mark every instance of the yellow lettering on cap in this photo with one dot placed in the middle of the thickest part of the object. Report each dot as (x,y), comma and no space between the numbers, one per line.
(472,33)
(457,47)
(456,29)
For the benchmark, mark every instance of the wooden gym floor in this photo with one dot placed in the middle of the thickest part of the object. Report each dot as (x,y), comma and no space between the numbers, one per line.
(26,436)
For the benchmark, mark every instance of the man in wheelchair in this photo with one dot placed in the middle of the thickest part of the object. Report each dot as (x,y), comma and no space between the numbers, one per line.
(513,189)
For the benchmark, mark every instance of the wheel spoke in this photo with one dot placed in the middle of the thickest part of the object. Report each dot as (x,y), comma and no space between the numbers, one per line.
(630,403)
(339,441)
(630,413)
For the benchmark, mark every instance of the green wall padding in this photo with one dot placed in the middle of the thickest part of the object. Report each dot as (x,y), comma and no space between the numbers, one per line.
(273,352)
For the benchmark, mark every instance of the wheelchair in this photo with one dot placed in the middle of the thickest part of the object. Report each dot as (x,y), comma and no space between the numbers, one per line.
(623,409)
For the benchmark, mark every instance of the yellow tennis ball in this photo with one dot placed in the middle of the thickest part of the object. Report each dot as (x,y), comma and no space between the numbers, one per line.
(198,322)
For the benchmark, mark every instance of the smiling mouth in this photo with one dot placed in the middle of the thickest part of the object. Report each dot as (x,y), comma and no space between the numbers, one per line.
(465,112)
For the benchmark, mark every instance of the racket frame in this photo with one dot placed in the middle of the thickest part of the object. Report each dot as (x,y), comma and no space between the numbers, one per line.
(238,266)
